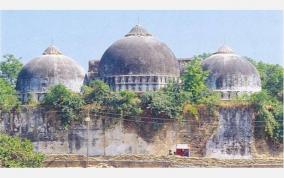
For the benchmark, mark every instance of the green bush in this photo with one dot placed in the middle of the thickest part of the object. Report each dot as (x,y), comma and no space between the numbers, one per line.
(159,104)
(8,97)
(269,115)
(16,152)
(126,103)
(67,103)
(123,103)
(269,102)
(97,91)
(10,67)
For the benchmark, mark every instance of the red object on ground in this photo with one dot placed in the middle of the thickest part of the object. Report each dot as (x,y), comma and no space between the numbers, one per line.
(182,150)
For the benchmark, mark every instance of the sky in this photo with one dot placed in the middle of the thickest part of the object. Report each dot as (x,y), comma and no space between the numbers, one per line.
(85,35)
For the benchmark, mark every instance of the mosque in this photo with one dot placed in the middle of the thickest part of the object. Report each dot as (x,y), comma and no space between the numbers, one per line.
(138,62)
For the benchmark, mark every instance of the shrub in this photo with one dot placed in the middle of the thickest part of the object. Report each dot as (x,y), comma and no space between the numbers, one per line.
(8,97)
(269,115)
(16,152)
(67,103)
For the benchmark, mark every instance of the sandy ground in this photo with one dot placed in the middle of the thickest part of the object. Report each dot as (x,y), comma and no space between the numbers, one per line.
(156,161)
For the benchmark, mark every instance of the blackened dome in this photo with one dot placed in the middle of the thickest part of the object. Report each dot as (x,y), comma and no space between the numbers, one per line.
(229,71)
(138,53)
(49,69)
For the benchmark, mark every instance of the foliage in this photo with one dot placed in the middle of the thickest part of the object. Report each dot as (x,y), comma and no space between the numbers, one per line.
(125,103)
(167,102)
(269,102)
(65,102)
(271,77)
(194,80)
(16,152)
(269,115)
(32,101)
(97,91)
(159,104)
(10,68)
(176,93)
(191,110)
(171,100)
(211,100)
(8,97)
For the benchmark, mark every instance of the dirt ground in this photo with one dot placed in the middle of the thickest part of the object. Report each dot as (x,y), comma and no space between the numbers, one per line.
(152,161)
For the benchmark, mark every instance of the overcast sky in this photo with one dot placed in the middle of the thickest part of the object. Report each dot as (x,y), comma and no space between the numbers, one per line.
(85,35)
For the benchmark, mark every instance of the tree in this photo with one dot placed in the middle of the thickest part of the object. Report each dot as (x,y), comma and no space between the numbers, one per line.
(67,103)
(269,115)
(10,68)
(97,91)
(8,97)
(17,152)
(177,94)
(159,104)
(99,94)
(269,102)
(127,103)
(271,77)
(194,80)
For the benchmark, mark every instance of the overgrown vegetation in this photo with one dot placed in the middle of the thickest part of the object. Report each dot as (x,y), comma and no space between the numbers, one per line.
(269,102)
(67,104)
(8,97)
(17,152)
(10,68)
(171,102)
(168,102)
(122,103)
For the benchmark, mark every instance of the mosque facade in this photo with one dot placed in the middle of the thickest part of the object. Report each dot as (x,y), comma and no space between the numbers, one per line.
(137,62)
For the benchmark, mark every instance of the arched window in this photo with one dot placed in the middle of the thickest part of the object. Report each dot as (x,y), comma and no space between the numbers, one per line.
(148,79)
(155,79)
(219,82)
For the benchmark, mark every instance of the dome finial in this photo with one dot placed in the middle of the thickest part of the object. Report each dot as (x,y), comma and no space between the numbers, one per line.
(52,50)
(225,49)
(138,30)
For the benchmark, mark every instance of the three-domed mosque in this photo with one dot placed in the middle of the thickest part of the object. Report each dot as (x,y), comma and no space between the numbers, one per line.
(138,62)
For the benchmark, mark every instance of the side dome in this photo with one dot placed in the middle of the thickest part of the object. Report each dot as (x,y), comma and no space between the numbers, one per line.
(138,53)
(230,73)
(49,69)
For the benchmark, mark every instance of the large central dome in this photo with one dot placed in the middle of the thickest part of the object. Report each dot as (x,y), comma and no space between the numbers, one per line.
(138,53)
